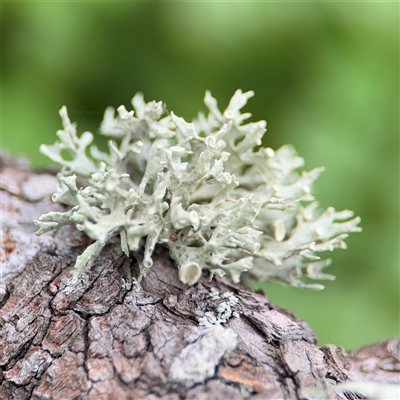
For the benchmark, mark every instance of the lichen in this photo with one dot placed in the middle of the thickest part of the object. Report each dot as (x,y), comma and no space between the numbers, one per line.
(223,311)
(198,361)
(207,190)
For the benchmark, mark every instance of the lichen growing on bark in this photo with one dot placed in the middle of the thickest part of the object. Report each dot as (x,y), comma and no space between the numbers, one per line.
(207,190)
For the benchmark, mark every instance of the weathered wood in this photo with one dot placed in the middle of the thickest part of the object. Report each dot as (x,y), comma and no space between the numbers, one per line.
(104,339)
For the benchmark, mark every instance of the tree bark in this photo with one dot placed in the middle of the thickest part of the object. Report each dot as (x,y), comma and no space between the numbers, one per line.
(105,339)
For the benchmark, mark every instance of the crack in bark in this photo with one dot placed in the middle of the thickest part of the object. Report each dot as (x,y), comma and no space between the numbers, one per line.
(20,196)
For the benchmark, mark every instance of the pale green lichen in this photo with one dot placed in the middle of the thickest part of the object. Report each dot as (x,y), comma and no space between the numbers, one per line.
(207,190)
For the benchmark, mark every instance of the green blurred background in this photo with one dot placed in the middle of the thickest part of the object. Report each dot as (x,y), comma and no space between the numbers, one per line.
(326,80)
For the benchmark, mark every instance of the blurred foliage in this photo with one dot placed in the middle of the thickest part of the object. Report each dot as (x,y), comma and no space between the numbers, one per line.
(326,80)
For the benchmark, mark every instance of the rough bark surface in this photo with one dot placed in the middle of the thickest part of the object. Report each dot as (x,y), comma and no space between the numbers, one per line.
(104,339)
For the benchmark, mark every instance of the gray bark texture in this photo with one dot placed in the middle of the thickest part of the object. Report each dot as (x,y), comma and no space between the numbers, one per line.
(104,339)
